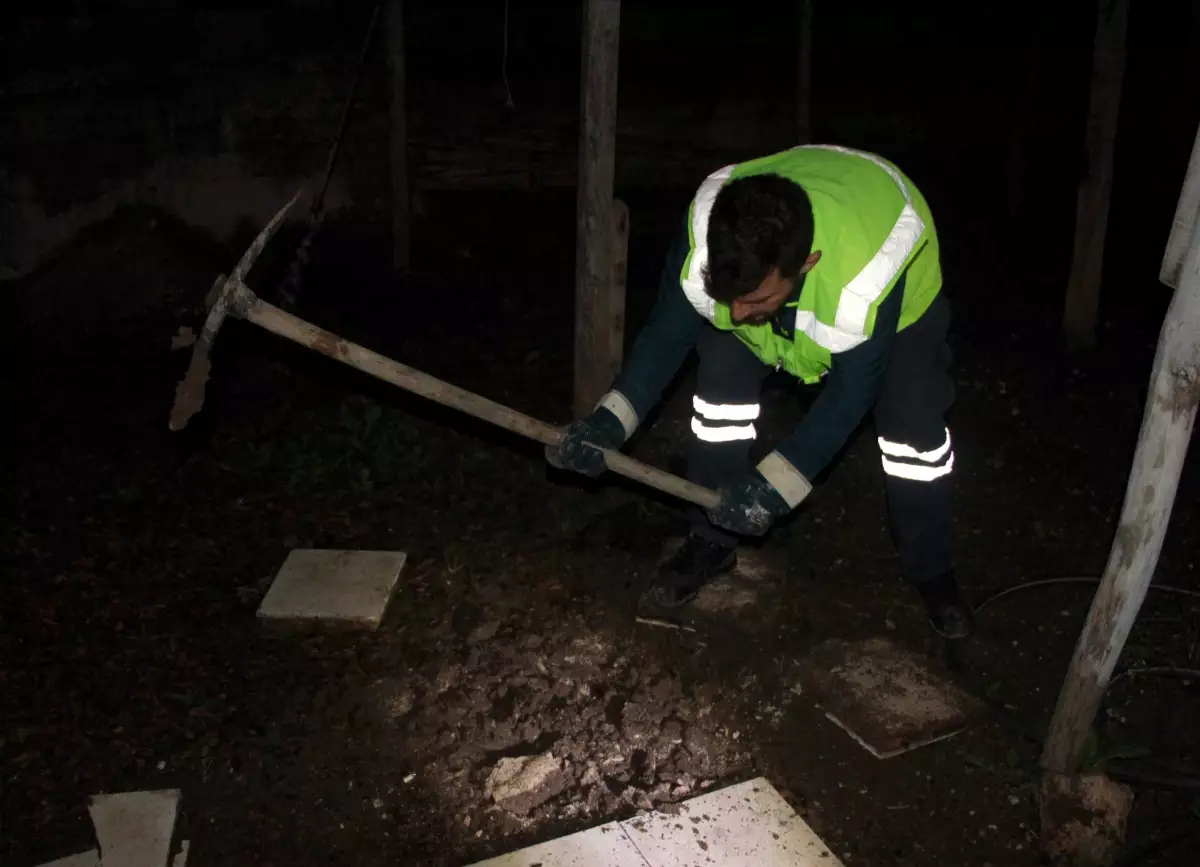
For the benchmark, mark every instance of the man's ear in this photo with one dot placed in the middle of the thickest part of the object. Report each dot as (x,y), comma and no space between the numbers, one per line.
(813,258)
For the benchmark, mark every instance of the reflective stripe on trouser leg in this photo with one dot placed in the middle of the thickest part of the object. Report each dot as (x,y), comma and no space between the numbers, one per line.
(711,433)
(919,489)
(723,422)
(724,411)
(905,462)
(916,451)
(719,452)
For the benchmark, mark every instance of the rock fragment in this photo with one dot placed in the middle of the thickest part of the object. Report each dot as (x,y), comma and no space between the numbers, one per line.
(519,785)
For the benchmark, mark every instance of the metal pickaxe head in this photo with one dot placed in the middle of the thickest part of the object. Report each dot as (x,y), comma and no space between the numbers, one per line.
(223,299)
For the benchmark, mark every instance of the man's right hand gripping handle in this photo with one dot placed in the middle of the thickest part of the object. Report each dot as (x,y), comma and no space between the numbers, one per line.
(656,356)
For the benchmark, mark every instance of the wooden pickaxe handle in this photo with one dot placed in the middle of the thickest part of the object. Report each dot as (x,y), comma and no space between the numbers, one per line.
(246,305)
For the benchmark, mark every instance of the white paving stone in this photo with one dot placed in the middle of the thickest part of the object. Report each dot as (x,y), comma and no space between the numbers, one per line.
(90,858)
(348,587)
(747,825)
(888,698)
(605,846)
(134,829)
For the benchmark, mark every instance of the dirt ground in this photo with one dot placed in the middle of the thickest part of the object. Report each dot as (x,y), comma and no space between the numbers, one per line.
(136,559)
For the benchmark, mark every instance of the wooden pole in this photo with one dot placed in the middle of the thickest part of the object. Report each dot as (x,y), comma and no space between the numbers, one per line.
(1189,77)
(398,146)
(1091,210)
(613,325)
(594,211)
(1187,217)
(804,14)
(1167,423)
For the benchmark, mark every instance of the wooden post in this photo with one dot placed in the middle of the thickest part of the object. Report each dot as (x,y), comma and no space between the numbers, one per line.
(398,147)
(614,321)
(1189,77)
(804,14)
(1187,217)
(1091,210)
(594,212)
(1167,423)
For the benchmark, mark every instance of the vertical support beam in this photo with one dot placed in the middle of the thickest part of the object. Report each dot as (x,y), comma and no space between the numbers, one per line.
(614,315)
(398,138)
(1187,217)
(1190,67)
(1167,423)
(594,210)
(804,16)
(1091,210)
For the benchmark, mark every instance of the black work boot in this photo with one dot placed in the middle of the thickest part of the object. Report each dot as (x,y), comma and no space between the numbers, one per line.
(697,562)
(949,616)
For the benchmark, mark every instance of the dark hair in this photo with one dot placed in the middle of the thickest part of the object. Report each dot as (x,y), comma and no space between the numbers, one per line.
(758,223)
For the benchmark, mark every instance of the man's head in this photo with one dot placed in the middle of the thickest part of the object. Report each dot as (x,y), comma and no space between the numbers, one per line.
(759,241)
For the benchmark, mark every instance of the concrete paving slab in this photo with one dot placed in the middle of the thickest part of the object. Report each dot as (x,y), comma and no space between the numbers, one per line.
(90,858)
(887,698)
(347,588)
(134,829)
(746,825)
(603,846)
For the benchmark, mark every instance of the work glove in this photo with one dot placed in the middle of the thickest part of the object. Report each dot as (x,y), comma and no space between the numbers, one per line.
(602,428)
(748,506)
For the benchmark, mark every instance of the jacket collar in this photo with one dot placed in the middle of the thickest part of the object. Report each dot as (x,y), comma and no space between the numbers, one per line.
(783,322)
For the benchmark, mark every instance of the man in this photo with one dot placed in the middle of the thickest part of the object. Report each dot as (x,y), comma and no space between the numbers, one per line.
(822,262)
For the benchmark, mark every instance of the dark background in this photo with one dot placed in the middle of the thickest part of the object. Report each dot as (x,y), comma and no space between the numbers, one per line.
(950,91)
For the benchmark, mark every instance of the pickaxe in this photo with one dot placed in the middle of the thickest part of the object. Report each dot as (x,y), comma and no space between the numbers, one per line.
(231,295)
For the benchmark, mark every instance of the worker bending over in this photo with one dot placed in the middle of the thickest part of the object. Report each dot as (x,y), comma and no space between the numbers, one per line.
(823,262)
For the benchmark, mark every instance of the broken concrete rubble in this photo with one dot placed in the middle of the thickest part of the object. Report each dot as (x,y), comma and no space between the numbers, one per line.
(518,785)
